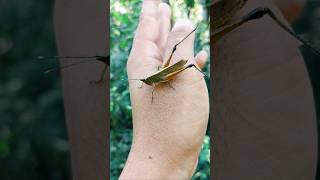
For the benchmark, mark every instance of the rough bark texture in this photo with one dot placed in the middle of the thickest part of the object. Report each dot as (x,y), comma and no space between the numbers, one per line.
(82,29)
(264,121)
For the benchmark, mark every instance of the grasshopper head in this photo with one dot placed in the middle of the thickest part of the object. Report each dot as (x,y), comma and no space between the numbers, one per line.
(146,81)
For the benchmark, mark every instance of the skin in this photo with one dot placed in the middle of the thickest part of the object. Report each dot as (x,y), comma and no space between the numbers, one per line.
(168,132)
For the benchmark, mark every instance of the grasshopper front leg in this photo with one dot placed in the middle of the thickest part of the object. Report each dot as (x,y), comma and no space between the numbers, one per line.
(184,68)
(197,68)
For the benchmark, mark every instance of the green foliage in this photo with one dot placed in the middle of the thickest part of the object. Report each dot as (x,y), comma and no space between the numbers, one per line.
(33,141)
(124,19)
(189,3)
(203,169)
(120,142)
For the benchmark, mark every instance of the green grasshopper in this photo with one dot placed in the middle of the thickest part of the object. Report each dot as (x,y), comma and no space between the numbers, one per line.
(163,75)
(167,72)
(224,10)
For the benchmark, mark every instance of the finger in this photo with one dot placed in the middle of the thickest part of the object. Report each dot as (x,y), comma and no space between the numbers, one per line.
(201,58)
(164,25)
(185,49)
(146,50)
(148,23)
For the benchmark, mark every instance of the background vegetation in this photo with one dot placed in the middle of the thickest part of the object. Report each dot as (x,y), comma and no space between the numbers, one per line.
(124,19)
(33,140)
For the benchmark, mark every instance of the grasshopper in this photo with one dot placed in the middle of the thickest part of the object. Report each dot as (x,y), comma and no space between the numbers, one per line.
(224,10)
(82,59)
(167,72)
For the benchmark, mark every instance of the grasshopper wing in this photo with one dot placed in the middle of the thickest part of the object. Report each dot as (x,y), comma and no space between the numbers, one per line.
(162,75)
(177,67)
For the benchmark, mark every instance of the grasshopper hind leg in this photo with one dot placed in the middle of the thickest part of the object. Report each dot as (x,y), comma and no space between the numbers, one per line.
(196,67)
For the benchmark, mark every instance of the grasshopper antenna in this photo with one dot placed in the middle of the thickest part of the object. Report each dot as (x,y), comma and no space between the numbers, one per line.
(185,37)
(142,80)
(104,59)
(134,79)
(81,60)
(75,58)
(64,67)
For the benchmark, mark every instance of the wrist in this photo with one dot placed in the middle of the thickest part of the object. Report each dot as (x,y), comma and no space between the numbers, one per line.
(149,160)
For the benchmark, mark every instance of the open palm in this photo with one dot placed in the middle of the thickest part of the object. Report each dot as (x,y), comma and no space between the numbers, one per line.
(173,125)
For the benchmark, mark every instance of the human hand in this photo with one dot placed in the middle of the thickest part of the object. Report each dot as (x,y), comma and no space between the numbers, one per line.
(167,132)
